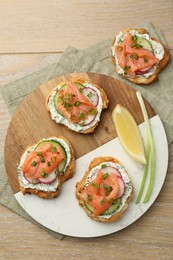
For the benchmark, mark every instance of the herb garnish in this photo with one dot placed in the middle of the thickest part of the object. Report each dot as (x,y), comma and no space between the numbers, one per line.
(61,100)
(67,105)
(34,163)
(95,185)
(110,201)
(53,149)
(103,201)
(77,103)
(134,56)
(145,59)
(49,163)
(81,115)
(127,67)
(68,96)
(42,159)
(89,198)
(92,111)
(134,38)
(105,175)
(43,173)
(108,191)
(105,186)
(90,94)
(136,45)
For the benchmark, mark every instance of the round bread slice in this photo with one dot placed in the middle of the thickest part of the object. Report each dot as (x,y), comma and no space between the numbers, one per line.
(142,79)
(48,188)
(120,204)
(59,118)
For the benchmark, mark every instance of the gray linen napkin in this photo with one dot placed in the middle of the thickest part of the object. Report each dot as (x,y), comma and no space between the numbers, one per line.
(94,59)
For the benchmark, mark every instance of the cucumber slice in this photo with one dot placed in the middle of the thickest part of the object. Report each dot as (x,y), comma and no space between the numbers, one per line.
(89,207)
(62,164)
(109,211)
(79,85)
(144,43)
(56,100)
(112,208)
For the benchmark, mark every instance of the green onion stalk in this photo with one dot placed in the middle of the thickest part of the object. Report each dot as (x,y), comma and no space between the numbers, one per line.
(150,154)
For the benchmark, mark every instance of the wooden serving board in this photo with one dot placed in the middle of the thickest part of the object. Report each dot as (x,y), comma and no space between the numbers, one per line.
(32,122)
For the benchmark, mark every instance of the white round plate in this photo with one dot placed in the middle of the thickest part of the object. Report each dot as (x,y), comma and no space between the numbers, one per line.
(64,215)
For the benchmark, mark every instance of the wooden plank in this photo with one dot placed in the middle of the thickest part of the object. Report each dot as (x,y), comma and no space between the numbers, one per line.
(32,122)
(44,26)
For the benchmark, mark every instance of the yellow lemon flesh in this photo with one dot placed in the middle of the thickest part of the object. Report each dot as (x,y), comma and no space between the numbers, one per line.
(128,133)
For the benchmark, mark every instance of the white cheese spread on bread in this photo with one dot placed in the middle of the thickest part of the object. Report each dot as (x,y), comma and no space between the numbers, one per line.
(158,51)
(71,125)
(42,186)
(105,190)
(128,184)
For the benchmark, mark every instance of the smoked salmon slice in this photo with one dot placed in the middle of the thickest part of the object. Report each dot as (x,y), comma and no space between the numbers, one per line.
(42,161)
(73,104)
(132,57)
(101,192)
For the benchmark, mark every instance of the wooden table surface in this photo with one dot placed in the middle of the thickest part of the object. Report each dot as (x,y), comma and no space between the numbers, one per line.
(35,34)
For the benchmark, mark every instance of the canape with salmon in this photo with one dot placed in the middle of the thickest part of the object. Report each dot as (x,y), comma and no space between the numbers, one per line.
(138,57)
(45,166)
(105,190)
(77,105)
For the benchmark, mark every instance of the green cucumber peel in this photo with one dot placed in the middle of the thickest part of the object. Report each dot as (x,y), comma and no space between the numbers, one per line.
(62,164)
(150,154)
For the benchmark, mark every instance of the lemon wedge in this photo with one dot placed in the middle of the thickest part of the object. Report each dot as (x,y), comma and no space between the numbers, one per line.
(128,133)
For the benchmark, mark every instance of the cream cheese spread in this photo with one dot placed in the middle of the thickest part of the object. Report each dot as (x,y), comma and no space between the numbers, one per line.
(128,184)
(41,186)
(73,126)
(158,50)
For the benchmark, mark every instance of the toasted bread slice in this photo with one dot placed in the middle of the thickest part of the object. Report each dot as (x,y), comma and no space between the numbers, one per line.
(79,128)
(116,211)
(52,189)
(142,79)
